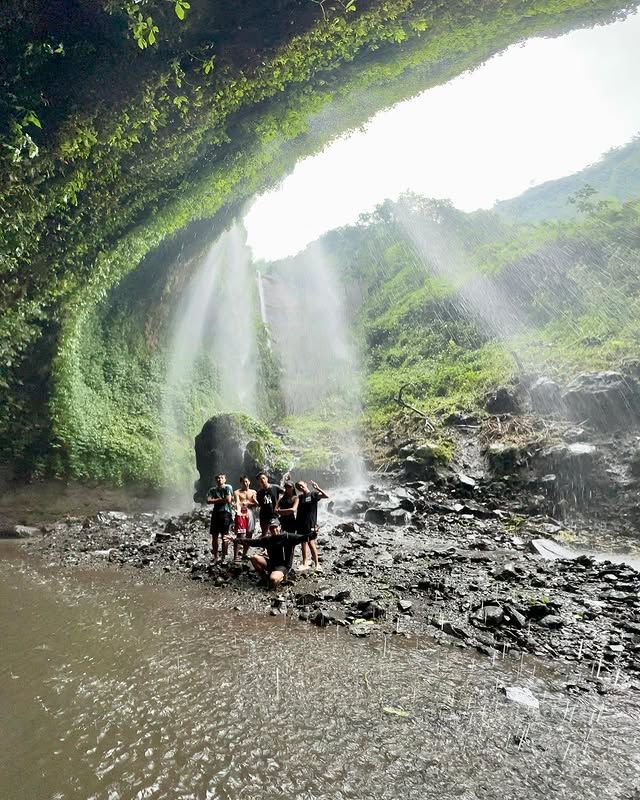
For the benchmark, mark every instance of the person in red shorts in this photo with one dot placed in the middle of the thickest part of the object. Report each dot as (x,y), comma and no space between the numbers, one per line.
(245,501)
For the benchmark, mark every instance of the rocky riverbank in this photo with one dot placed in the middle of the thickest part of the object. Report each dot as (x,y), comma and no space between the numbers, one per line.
(413,559)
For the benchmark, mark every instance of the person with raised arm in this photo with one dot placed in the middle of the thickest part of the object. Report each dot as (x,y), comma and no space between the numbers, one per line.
(307,520)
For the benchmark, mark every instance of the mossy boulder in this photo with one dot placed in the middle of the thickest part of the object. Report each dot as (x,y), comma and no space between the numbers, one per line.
(236,444)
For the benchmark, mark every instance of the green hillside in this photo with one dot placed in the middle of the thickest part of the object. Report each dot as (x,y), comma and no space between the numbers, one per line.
(616,176)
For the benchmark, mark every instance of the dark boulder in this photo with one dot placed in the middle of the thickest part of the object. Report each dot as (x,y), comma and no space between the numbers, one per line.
(236,444)
(608,400)
(503,401)
(399,517)
(378,516)
(491,615)
(505,459)
(546,396)
(568,461)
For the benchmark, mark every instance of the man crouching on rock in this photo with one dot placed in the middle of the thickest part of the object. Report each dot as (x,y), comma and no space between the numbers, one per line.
(276,563)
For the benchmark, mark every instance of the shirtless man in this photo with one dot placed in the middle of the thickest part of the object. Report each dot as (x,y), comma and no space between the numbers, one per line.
(245,501)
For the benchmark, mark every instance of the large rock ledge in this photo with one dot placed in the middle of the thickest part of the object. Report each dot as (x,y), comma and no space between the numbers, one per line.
(411,561)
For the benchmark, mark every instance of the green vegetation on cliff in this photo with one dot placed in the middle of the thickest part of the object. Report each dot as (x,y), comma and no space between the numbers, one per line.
(448,303)
(109,151)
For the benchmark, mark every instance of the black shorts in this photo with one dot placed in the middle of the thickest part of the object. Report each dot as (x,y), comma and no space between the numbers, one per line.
(220,522)
(265,519)
(309,535)
(288,525)
(277,568)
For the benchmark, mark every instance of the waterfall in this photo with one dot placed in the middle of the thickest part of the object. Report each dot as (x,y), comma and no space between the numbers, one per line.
(320,368)
(263,307)
(211,366)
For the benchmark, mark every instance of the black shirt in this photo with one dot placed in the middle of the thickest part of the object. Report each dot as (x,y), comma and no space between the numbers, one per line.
(288,521)
(267,499)
(307,517)
(279,547)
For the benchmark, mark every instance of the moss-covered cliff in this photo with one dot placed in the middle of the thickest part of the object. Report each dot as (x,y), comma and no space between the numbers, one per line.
(111,151)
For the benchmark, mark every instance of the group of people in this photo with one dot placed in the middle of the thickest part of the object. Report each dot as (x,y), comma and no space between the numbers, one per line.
(287,515)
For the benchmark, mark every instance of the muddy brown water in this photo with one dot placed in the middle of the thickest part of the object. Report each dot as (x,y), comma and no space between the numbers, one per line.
(120,689)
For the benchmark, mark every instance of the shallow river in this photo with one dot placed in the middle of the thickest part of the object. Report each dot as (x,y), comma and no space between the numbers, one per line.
(118,689)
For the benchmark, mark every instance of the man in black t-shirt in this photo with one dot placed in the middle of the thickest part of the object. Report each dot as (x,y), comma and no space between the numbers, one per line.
(279,547)
(307,520)
(267,496)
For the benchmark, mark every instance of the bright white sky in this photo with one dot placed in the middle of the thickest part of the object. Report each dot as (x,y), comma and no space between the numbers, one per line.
(538,111)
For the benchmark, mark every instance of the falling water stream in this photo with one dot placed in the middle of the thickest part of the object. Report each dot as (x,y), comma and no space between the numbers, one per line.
(214,334)
(120,689)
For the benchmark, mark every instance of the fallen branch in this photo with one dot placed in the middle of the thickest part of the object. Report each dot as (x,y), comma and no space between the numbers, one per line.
(404,404)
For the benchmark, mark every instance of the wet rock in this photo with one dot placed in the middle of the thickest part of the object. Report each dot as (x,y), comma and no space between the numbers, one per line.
(339,595)
(459,419)
(360,630)
(490,615)
(634,464)
(570,462)
(407,504)
(405,605)
(503,401)
(371,609)
(320,618)
(537,611)
(11,531)
(607,400)
(399,517)
(505,459)
(426,453)
(551,621)
(473,508)
(378,516)
(575,435)
(513,617)
(548,549)
(336,616)
(464,482)
(518,694)
(450,629)
(546,396)
(346,527)
(307,598)
(507,572)
(174,526)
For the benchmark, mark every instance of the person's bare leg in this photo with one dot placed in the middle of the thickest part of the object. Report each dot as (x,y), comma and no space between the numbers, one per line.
(313,546)
(275,578)
(305,553)
(225,548)
(259,564)
(245,547)
(214,546)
